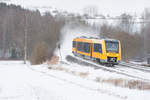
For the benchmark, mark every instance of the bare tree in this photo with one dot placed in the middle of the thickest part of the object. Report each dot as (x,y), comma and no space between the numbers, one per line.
(145,30)
(126,22)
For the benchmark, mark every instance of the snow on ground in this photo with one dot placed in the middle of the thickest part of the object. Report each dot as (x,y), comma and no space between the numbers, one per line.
(26,82)
(138,63)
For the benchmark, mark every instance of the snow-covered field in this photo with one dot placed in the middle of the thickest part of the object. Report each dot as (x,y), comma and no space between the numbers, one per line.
(26,82)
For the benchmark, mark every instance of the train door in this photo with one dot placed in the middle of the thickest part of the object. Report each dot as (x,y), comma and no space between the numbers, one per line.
(91,49)
(76,47)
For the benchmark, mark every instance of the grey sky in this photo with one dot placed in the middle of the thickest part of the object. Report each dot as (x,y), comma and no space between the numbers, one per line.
(112,7)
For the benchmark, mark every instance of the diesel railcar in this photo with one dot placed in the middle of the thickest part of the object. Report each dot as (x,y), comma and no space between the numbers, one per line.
(105,51)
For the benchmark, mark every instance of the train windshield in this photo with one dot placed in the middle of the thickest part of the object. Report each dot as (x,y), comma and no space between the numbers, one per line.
(112,46)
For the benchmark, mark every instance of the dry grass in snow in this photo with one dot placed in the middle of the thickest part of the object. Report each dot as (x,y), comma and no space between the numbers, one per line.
(132,84)
(54,60)
(70,71)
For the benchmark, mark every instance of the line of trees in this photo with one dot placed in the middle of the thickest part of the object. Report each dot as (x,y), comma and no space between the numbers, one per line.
(134,43)
(15,21)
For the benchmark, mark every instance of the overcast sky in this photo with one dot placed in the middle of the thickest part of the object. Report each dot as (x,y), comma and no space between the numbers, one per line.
(111,7)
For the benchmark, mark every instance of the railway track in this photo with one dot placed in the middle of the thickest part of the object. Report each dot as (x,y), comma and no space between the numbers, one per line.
(134,66)
(118,69)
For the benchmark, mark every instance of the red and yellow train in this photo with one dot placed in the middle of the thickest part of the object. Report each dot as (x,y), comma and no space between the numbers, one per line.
(105,51)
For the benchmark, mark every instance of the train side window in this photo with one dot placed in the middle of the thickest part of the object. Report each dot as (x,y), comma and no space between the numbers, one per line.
(74,44)
(84,47)
(80,46)
(87,47)
(98,48)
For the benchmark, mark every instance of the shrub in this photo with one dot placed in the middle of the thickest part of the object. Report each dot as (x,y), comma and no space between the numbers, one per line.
(39,54)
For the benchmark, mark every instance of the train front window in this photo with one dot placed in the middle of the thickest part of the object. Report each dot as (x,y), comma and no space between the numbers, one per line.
(112,46)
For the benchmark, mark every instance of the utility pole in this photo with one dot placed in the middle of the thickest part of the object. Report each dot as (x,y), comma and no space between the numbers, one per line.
(25,40)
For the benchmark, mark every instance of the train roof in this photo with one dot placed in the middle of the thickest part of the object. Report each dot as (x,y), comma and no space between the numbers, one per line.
(111,40)
(96,39)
